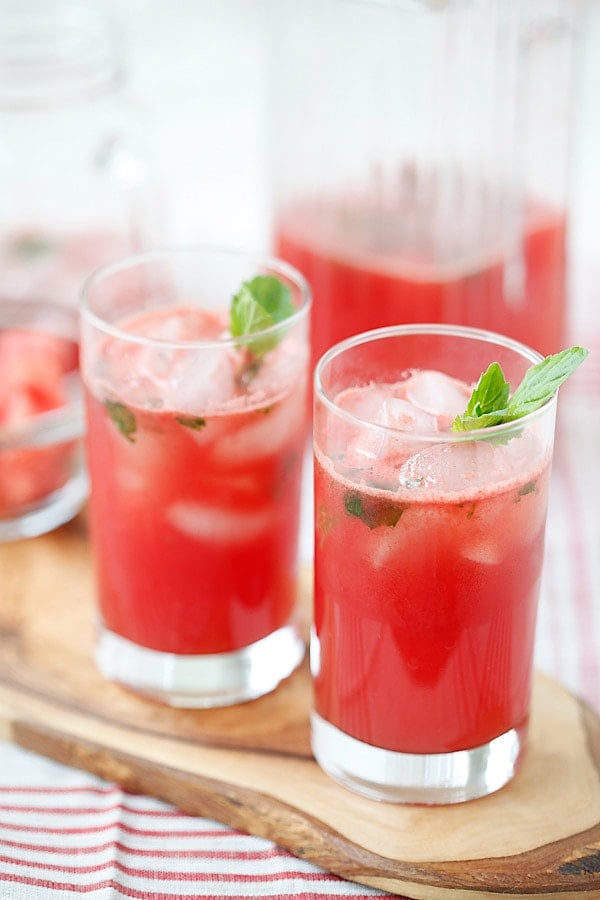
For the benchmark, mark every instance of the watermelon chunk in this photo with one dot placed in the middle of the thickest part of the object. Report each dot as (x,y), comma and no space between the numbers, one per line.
(33,366)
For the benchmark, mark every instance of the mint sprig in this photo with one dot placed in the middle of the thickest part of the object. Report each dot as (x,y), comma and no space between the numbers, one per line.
(259,304)
(492,404)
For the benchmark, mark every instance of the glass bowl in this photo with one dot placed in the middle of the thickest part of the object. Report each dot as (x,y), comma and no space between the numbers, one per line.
(43,481)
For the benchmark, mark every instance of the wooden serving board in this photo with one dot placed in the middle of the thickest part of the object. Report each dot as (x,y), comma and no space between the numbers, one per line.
(250,766)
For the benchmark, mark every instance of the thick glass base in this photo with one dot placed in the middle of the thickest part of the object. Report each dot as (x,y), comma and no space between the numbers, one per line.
(427,778)
(200,681)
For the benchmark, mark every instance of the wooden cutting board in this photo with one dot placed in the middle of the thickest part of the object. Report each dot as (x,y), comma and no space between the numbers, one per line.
(250,766)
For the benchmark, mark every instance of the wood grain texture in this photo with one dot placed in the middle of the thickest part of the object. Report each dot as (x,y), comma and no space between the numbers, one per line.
(250,766)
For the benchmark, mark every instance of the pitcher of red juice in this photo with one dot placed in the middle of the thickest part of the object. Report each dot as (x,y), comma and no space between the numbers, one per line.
(420,162)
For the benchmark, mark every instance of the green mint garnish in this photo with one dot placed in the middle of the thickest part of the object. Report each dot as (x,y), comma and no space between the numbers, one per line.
(193,422)
(123,418)
(259,304)
(491,402)
(372,511)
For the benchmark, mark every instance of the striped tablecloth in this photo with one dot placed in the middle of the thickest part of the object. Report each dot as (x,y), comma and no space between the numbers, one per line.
(65,832)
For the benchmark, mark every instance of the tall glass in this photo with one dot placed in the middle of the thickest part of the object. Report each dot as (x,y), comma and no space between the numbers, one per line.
(421,159)
(195,451)
(428,555)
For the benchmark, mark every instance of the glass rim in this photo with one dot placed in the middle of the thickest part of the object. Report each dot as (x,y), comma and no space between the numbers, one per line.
(427,328)
(269,262)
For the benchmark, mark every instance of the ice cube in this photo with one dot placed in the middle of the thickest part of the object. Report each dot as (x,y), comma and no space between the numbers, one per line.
(415,537)
(388,444)
(178,323)
(217,524)
(201,381)
(193,380)
(450,468)
(437,394)
(484,552)
(142,462)
(281,368)
(267,431)
(404,416)
(365,402)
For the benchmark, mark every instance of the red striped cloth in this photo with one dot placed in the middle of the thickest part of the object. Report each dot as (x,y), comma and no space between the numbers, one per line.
(64,832)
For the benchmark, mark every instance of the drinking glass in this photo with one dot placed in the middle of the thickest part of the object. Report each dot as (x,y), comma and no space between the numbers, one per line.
(195,450)
(428,553)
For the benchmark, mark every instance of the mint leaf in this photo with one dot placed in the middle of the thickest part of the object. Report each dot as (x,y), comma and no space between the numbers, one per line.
(487,404)
(193,422)
(529,488)
(247,314)
(273,295)
(542,381)
(491,404)
(491,392)
(372,511)
(123,418)
(259,304)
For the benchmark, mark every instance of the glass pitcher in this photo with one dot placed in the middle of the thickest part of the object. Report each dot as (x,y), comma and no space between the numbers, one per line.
(76,169)
(420,161)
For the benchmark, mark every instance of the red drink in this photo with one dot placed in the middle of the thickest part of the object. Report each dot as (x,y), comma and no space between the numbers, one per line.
(365,272)
(426,621)
(195,528)
(428,554)
(195,448)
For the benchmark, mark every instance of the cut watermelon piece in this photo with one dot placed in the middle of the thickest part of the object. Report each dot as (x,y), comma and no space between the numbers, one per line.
(33,366)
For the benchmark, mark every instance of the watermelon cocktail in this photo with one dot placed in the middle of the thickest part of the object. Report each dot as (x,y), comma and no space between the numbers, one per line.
(196,437)
(428,555)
